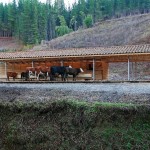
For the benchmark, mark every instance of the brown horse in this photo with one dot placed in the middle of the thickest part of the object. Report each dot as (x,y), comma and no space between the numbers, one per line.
(12,74)
(38,71)
(42,71)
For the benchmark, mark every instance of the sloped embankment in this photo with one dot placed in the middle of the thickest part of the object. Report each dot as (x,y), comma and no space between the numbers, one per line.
(74,125)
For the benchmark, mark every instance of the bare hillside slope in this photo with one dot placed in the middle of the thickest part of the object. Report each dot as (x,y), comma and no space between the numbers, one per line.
(122,31)
(8,43)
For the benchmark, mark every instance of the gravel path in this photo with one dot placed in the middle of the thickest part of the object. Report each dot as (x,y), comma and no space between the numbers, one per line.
(106,92)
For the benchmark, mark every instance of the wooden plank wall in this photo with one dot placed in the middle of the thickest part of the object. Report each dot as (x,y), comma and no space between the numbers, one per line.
(2,70)
(13,67)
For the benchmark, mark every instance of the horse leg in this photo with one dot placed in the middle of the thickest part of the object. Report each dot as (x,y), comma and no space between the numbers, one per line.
(62,77)
(22,77)
(38,76)
(47,74)
(26,76)
(51,77)
(74,77)
(67,77)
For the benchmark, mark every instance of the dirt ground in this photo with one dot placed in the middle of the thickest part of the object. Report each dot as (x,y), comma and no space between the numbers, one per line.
(136,93)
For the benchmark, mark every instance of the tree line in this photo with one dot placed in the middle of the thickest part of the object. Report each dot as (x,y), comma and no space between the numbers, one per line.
(32,21)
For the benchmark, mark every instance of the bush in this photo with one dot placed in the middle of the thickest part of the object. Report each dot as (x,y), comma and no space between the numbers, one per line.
(88,21)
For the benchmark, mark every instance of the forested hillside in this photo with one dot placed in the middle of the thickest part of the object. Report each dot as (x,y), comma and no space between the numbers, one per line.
(32,21)
(123,31)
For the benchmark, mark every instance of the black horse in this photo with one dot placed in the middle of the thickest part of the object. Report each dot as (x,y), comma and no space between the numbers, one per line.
(58,70)
(73,71)
(24,75)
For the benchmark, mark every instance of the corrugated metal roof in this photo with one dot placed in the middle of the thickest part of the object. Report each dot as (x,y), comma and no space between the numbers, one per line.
(114,50)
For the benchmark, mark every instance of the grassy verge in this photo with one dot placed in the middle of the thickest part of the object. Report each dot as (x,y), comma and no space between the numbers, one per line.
(74,125)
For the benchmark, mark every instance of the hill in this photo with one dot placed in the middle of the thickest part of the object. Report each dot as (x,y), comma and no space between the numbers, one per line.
(8,43)
(122,31)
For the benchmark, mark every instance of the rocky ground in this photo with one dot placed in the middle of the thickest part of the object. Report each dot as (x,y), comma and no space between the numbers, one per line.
(138,93)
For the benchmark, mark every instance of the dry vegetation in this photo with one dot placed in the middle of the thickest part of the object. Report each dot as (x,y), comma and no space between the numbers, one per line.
(9,44)
(122,31)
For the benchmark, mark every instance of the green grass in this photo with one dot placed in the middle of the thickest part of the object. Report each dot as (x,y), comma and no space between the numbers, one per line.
(74,125)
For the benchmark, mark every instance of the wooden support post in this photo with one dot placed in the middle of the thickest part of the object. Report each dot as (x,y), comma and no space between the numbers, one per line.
(132,71)
(61,63)
(128,69)
(93,76)
(5,69)
(32,64)
(135,71)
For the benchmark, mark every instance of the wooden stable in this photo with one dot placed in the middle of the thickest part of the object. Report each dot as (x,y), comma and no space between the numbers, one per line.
(94,61)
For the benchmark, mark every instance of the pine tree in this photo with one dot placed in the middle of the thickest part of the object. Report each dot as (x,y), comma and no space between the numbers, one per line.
(51,21)
(42,21)
(26,22)
(1,19)
(63,28)
(34,22)
(12,17)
